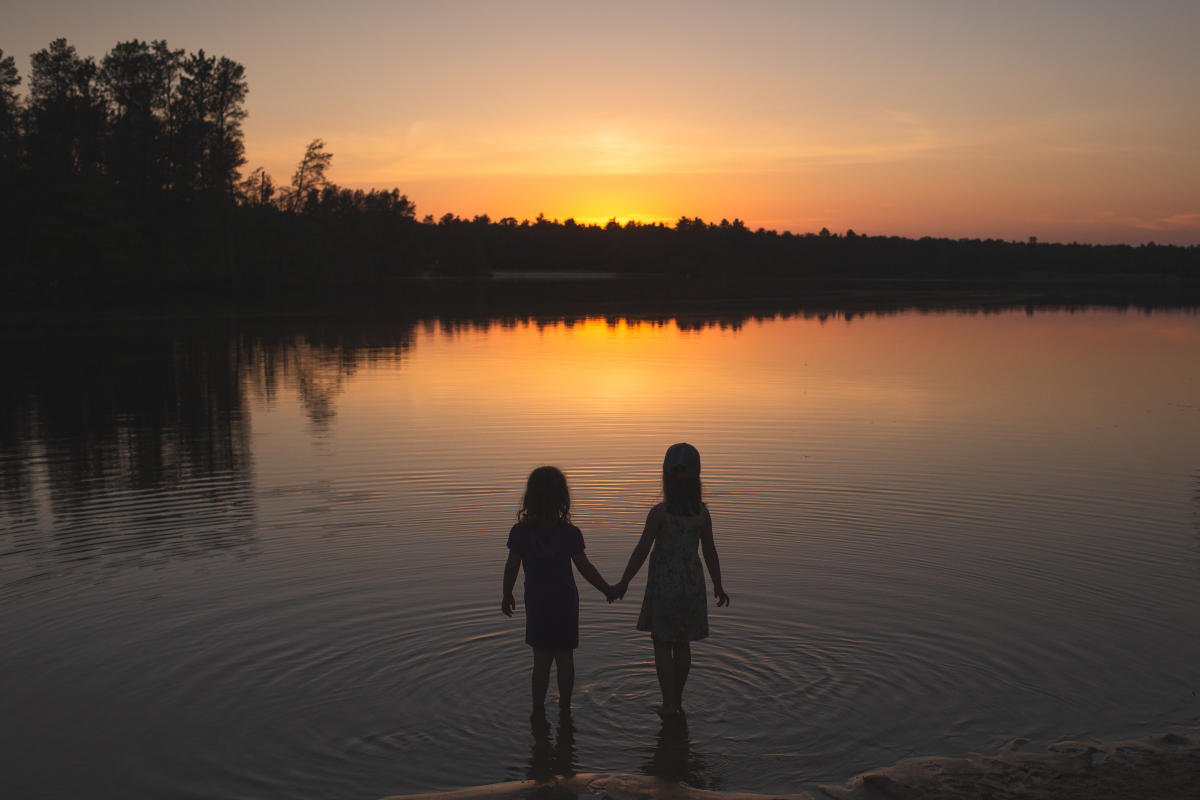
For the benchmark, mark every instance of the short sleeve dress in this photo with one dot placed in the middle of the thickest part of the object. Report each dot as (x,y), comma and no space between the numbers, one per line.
(551,597)
(675,606)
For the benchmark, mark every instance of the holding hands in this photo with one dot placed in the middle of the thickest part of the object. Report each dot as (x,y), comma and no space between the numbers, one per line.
(616,591)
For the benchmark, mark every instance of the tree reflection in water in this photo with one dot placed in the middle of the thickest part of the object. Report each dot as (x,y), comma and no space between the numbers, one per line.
(132,438)
(1196,507)
(156,412)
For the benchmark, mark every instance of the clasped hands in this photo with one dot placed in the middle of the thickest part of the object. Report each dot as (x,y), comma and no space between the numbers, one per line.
(612,592)
(616,591)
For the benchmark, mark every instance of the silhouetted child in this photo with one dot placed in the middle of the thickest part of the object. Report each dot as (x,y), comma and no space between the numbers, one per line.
(545,543)
(674,609)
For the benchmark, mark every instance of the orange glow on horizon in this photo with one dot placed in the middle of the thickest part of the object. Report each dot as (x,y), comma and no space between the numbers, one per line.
(959,120)
(919,197)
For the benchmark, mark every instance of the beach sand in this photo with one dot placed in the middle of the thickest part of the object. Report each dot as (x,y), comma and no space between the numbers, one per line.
(1162,767)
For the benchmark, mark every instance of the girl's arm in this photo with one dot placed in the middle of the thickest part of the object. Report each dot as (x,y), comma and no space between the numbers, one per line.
(641,550)
(589,571)
(511,568)
(709,547)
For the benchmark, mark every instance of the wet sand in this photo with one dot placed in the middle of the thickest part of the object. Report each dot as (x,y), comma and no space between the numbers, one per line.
(595,786)
(1162,767)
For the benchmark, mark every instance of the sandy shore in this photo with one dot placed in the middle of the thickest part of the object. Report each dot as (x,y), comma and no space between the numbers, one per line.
(1163,767)
(595,786)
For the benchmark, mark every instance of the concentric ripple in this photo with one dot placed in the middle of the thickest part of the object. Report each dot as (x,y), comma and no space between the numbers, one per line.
(936,538)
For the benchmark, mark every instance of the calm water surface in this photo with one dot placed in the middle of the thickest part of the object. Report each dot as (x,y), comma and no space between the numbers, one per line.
(264,561)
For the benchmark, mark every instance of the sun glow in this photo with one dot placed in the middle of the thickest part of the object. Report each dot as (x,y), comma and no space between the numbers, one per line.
(594,200)
(623,219)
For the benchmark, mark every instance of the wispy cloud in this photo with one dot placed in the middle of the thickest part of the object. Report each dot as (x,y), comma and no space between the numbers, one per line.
(1179,223)
(1175,222)
(426,150)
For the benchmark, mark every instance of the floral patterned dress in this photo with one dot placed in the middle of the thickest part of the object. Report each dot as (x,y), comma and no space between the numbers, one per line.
(675,606)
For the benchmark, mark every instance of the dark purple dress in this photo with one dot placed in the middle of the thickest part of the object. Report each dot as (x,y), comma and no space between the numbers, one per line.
(551,599)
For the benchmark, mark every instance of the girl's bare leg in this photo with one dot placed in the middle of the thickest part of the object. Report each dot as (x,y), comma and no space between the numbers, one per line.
(541,678)
(664,665)
(681,656)
(564,661)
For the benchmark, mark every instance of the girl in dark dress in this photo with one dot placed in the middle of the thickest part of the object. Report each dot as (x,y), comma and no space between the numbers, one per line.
(545,543)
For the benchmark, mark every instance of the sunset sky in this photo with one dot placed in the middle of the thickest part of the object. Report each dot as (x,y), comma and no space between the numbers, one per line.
(1062,120)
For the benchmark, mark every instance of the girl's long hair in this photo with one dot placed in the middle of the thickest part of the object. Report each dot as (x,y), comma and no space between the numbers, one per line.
(547,500)
(682,495)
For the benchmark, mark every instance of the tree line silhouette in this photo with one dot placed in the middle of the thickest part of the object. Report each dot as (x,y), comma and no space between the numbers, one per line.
(126,176)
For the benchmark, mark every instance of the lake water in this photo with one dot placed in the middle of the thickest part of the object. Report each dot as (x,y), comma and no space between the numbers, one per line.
(248,559)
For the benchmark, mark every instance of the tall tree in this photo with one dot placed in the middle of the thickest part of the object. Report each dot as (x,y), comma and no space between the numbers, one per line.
(66,114)
(12,193)
(138,80)
(10,131)
(191,124)
(309,176)
(257,189)
(209,146)
(227,148)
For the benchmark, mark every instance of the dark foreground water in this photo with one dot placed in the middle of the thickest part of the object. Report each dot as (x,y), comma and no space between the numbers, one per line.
(250,560)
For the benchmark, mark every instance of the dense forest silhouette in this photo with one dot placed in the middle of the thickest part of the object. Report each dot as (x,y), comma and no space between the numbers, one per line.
(127,178)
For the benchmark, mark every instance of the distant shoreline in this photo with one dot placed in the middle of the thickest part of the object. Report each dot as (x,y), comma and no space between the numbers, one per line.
(604,293)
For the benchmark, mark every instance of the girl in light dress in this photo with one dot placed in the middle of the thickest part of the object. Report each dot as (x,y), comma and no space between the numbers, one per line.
(674,608)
